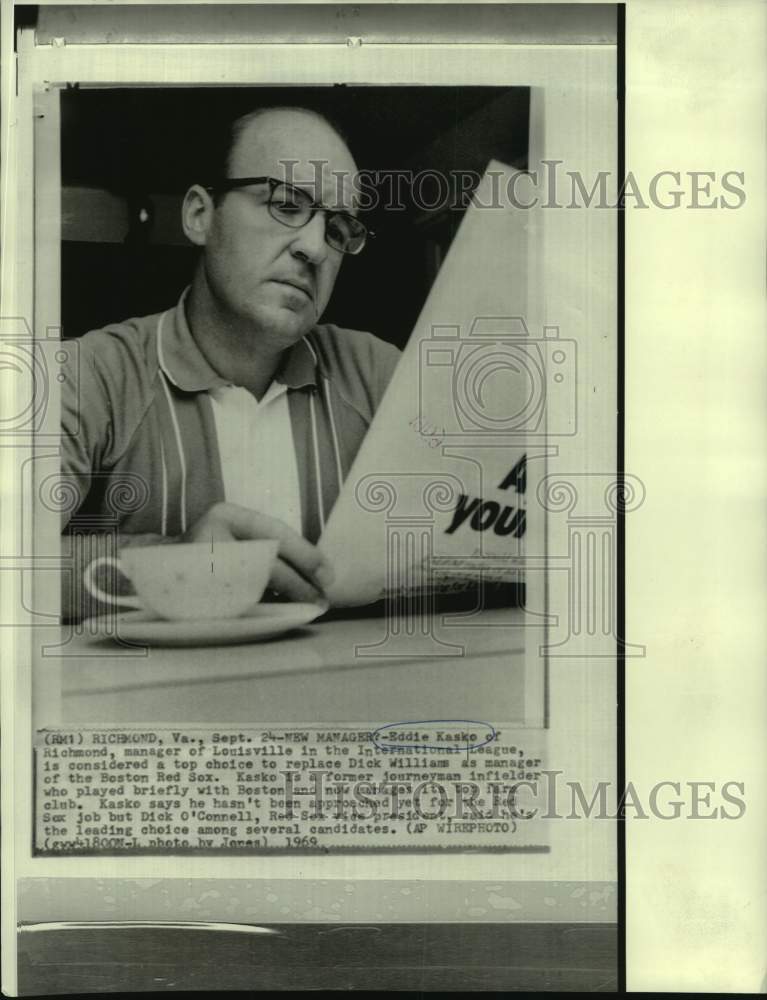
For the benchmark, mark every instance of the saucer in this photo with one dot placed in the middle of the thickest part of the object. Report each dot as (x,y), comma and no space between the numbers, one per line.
(262,622)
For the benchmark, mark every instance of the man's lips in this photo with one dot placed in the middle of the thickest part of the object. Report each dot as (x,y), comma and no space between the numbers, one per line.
(302,286)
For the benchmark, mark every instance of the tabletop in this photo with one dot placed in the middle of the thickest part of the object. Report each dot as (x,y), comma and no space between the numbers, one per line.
(468,665)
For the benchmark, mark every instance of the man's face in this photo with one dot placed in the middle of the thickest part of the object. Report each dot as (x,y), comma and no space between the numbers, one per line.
(272,278)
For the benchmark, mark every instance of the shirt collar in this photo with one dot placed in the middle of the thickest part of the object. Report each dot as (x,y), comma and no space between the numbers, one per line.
(184,364)
(222,393)
(299,366)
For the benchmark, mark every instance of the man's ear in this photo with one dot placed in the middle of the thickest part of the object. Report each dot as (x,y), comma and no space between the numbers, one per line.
(197,214)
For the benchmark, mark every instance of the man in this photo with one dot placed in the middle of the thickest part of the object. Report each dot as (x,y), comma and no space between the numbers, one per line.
(234,415)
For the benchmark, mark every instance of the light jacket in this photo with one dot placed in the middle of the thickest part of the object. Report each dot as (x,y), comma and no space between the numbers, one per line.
(140,451)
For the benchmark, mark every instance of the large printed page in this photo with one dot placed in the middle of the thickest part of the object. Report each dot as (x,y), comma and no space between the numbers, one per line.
(437,493)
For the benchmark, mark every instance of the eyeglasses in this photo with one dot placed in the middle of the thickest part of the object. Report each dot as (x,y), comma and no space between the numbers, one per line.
(294,207)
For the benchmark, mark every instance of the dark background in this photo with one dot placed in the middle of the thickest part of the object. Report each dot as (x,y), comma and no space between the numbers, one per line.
(142,147)
(440,957)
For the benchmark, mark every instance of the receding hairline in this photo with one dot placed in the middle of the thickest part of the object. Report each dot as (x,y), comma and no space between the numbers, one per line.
(240,125)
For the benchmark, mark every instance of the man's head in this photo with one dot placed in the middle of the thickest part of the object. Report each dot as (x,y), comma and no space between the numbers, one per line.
(263,276)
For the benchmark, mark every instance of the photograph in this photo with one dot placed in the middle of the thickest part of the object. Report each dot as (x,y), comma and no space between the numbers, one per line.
(322,498)
(382,528)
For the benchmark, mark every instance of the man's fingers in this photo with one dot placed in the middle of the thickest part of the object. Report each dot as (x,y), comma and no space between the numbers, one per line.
(292,585)
(305,557)
(209,529)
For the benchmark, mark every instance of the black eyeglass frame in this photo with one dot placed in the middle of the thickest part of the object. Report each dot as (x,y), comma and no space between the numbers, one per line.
(234,183)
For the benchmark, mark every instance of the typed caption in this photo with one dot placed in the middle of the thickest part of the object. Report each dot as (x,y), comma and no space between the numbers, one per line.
(309,789)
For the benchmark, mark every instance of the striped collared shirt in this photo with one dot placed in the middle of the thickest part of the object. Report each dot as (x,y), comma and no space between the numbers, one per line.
(140,450)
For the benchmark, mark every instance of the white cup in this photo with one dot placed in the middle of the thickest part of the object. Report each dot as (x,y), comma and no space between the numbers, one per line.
(191,580)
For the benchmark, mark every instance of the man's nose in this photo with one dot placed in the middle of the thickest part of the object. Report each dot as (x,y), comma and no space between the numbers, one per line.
(309,242)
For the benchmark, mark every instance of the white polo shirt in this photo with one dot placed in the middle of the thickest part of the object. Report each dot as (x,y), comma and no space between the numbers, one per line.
(258,458)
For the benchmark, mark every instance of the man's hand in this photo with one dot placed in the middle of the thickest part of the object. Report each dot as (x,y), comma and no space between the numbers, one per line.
(301,572)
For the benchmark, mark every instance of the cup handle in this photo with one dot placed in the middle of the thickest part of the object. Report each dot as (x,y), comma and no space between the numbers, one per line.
(127,600)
